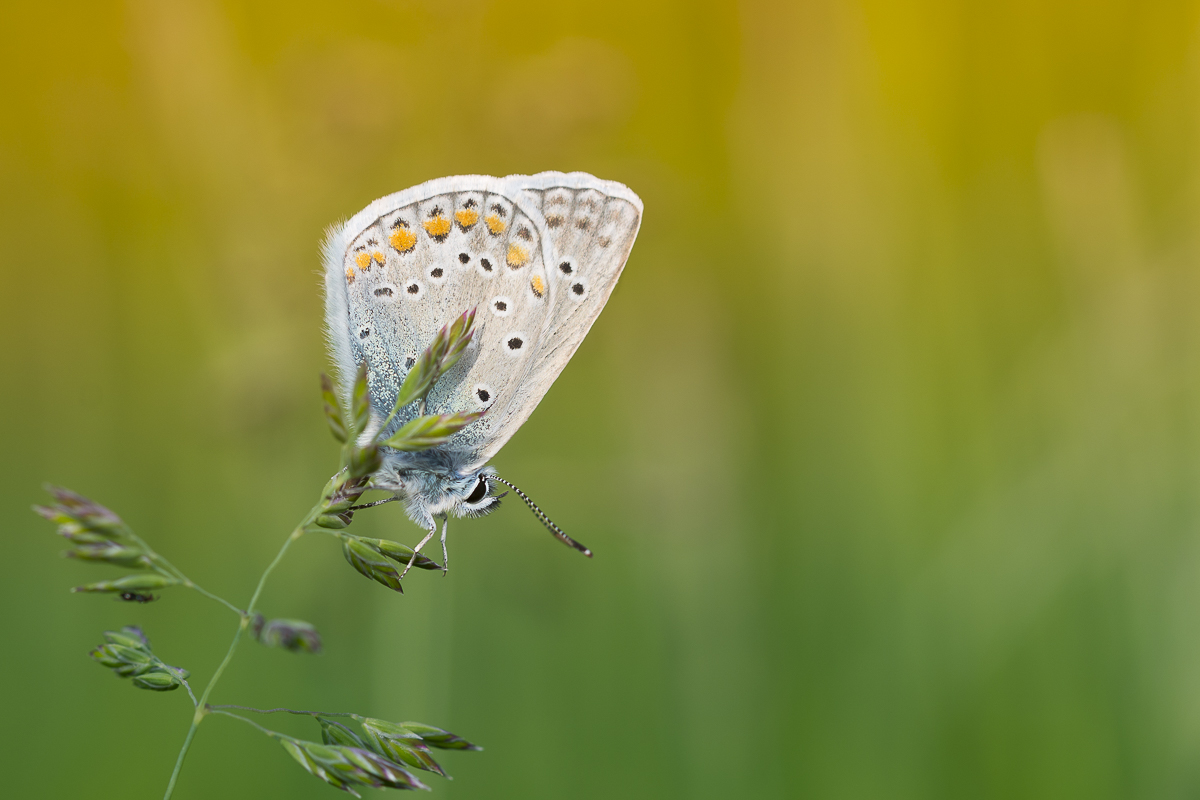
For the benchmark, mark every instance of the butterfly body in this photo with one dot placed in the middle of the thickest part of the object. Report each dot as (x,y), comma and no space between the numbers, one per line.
(537,258)
(431,488)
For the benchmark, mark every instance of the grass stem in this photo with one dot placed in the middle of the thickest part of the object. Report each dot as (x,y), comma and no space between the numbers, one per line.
(202,706)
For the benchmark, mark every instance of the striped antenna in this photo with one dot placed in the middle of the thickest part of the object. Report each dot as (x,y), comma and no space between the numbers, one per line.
(554,529)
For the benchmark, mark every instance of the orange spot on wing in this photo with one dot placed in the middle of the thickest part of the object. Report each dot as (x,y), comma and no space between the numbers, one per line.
(363,260)
(403,239)
(538,285)
(466,217)
(349,274)
(378,256)
(437,227)
(517,256)
(495,224)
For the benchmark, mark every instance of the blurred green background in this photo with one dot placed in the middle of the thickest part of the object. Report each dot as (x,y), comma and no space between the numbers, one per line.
(886,442)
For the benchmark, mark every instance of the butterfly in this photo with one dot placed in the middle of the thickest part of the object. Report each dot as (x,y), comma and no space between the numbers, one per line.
(534,256)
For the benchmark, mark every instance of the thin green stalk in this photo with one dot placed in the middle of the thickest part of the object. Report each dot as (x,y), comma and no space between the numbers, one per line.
(179,674)
(186,581)
(187,742)
(202,706)
(217,710)
(298,712)
(191,585)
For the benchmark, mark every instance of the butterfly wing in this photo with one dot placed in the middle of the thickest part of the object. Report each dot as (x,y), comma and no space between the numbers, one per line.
(591,226)
(406,265)
(537,255)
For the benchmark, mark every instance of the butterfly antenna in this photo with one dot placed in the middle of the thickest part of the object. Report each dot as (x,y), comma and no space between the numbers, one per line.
(549,523)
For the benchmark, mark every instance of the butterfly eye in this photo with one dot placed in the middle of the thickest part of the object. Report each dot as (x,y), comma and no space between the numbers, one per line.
(479,492)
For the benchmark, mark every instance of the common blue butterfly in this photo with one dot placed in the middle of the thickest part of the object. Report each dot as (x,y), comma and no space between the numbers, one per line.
(537,256)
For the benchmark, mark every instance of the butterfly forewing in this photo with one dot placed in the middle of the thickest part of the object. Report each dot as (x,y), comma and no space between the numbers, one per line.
(537,256)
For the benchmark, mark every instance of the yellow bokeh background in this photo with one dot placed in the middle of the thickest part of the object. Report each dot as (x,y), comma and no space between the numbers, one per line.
(887,442)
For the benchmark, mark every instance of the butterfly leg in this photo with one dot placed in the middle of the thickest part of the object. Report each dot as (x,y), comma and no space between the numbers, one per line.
(445,552)
(417,549)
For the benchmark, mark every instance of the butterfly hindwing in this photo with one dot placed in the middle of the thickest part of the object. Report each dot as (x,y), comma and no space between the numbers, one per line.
(537,256)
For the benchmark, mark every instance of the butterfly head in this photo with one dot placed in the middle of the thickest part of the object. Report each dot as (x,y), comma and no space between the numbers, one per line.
(479,499)
(429,491)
